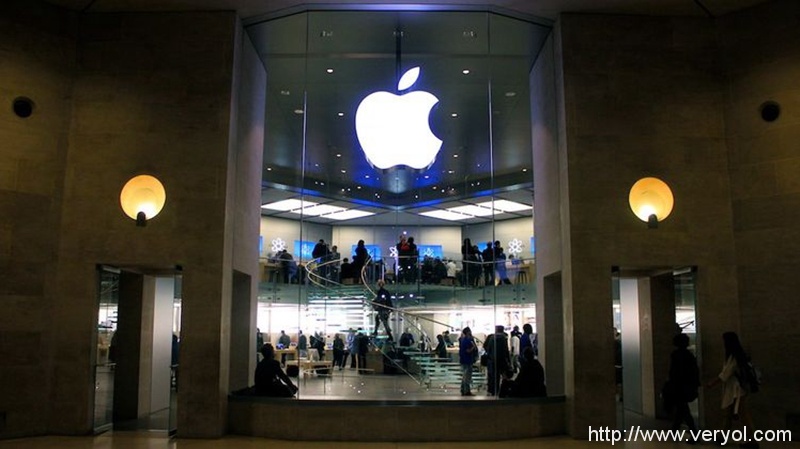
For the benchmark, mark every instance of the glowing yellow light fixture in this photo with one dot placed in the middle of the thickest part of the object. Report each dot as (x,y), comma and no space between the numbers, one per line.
(142,198)
(651,200)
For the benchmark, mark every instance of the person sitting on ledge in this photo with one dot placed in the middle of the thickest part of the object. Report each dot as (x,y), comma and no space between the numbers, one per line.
(270,378)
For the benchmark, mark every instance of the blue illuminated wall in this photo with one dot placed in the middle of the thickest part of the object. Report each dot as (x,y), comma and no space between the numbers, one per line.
(430,251)
(373,250)
(303,249)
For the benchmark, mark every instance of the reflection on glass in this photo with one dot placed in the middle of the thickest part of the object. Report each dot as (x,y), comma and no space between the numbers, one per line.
(108,299)
(337,218)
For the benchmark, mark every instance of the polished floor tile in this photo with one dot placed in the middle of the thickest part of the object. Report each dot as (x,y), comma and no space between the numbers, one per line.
(157,440)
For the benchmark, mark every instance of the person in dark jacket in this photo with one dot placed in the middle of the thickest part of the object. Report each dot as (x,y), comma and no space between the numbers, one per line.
(382,304)
(498,360)
(684,379)
(270,378)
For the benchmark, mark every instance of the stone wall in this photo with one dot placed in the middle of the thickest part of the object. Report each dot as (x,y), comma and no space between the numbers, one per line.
(37,48)
(761,56)
(642,96)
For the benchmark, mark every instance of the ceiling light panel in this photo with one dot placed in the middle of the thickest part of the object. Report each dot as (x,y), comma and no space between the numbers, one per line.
(287,205)
(473,210)
(446,215)
(506,206)
(316,211)
(348,214)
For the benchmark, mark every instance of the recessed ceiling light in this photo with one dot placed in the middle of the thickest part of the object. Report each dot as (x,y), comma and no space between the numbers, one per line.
(285,92)
(451,171)
(269,168)
(366,176)
(511,94)
(338,154)
(524,169)
(298,111)
(455,155)
(340,114)
(344,171)
(470,34)
(326,33)
(359,187)
(454,115)
(329,70)
(427,176)
(465,71)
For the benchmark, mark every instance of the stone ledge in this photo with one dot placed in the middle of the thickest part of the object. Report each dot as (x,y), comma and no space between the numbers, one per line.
(337,420)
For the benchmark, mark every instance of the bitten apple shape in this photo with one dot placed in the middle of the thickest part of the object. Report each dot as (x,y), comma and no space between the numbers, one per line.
(394,129)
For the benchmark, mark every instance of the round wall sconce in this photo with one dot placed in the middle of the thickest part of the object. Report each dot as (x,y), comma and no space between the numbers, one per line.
(142,198)
(651,200)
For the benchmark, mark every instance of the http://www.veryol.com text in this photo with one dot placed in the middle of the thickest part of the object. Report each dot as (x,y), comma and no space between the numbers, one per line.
(636,433)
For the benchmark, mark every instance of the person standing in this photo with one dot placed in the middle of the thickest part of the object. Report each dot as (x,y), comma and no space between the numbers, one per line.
(498,363)
(302,345)
(441,348)
(352,348)
(470,268)
(382,304)
(500,263)
(516,351)
(467,354)
(683,381)
(488,264)
(259,343)
(362,347)
(338,351)
(528,338)
(360,260)
(334,257)
(734,394)
(283,343)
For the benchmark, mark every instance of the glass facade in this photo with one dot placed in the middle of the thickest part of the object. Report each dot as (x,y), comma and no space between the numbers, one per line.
(444,219)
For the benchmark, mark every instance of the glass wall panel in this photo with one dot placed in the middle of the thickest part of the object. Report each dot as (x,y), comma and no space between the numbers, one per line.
(397,149)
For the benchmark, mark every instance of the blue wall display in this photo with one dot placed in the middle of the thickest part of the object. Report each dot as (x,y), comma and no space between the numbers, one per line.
(303,249)
(373,250)
(533,246)
(430,251)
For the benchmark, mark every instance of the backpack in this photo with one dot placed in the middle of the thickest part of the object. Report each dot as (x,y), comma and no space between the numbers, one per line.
(749,377)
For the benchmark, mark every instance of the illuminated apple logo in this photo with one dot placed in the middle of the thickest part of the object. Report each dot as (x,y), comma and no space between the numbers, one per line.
(394,130)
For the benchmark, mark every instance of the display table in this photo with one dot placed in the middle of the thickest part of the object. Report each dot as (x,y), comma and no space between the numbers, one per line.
(308,367)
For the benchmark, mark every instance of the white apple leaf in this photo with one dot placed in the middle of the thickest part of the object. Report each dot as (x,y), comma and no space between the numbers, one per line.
(408,79)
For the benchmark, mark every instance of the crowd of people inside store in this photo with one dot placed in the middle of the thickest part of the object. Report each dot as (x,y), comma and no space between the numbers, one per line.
(478,268)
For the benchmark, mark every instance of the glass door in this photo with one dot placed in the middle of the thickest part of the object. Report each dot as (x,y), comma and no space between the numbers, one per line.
(172,425)
(105,351)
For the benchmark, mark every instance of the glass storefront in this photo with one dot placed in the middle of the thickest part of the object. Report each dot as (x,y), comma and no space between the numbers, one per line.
(386,128)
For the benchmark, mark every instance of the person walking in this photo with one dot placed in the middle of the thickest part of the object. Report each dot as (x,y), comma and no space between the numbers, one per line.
(684,379)
(382,304)
(734,388)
